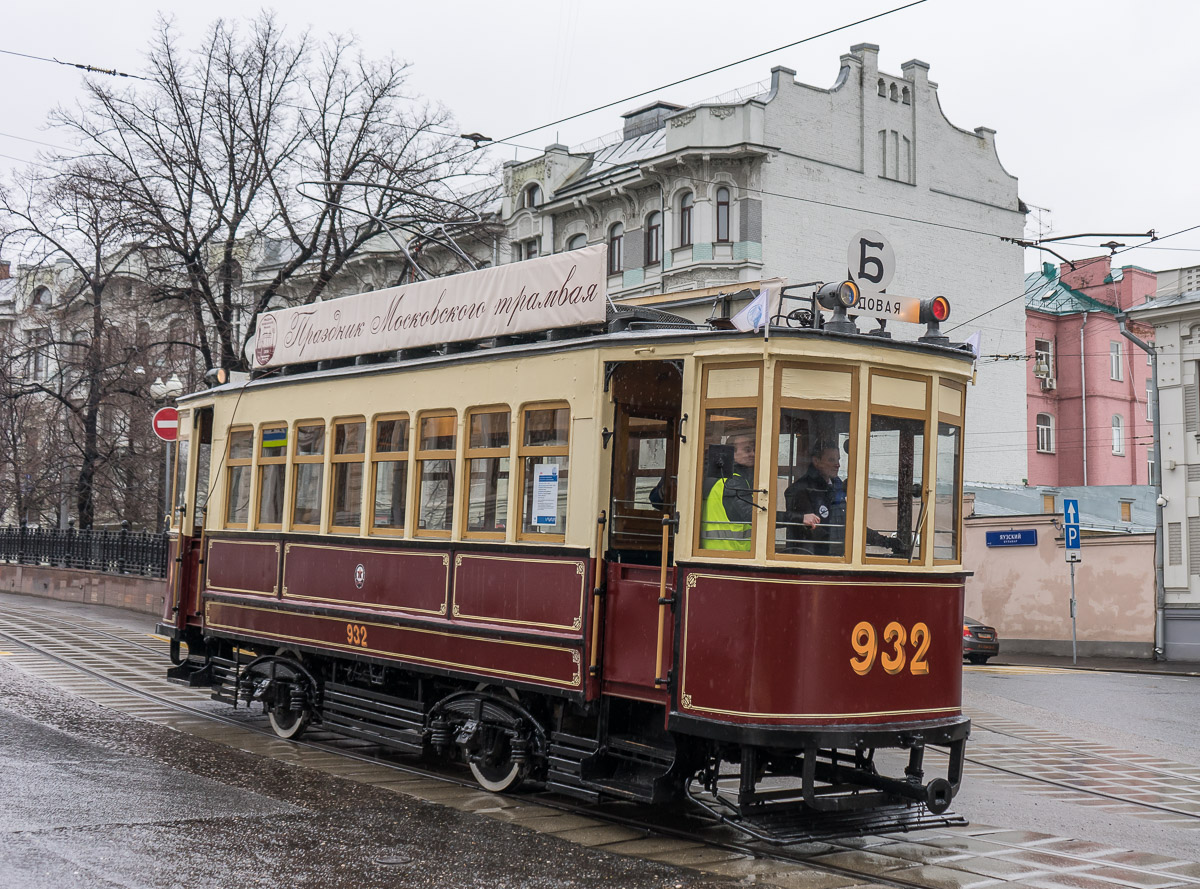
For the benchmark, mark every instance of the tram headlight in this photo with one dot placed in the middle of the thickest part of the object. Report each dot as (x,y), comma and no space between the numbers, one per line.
(840,294)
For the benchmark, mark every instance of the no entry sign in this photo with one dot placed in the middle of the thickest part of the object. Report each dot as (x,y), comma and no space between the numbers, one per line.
(166,423)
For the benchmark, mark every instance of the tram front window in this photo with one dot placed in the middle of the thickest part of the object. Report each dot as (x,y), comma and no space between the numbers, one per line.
(812,481)
(895,486)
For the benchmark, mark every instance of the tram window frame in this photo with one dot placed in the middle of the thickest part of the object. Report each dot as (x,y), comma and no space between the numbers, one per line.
(849,407)
(527,452)
(947,418)
(402,457)
(298,460)
(500,453)
(898,412)
(279,458)
(179,473)
(336,460)
(241,468)
(710,403)
(431,455)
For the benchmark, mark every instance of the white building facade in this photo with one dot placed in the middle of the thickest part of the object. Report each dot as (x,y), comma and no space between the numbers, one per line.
(774,185)
(1176,321)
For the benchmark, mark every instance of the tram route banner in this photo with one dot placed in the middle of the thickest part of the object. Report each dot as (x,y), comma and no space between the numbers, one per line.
(561,290)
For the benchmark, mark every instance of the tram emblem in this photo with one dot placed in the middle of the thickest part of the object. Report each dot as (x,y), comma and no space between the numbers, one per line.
(264,343)
(360,574)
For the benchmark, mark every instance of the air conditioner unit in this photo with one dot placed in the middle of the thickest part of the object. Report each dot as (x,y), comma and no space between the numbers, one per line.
(1049,383)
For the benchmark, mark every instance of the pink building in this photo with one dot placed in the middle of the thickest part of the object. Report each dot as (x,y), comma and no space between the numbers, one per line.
(1088,386)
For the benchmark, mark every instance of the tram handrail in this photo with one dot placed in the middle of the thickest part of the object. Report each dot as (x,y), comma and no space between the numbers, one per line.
(663,602)
(593,667)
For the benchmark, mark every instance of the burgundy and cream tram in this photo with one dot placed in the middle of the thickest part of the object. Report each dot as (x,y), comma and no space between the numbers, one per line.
(497,518)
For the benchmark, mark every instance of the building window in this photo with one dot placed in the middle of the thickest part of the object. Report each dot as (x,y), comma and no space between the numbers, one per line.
(389,462)
(1149,401)
(654,238)
(1126,511)
(881,88)
(616,236)
(576,242)
(722,215)
(349,452)
(436,445)
(487,460)
(308,455)
(1048,504)
(531,197)
(41,296)
(685,219)
(1151,469)
(237,489)
(39,353)
(906,96)
(1043,359)
(1045,434)
(1114,360)
(544,466)
(528,249)
(1118,435)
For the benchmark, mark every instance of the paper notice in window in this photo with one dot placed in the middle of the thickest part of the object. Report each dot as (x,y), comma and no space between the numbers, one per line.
(545,494)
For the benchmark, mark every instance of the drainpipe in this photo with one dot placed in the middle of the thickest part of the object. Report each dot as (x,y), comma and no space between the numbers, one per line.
(1160,594)
(1083,392)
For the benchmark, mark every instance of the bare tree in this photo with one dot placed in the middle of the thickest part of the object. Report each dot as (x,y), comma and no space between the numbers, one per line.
(260,149)
(76,224)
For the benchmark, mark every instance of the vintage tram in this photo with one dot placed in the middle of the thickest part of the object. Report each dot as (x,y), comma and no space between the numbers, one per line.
(621,554)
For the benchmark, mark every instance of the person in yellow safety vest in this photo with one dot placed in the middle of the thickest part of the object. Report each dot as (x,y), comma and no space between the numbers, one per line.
(728,507)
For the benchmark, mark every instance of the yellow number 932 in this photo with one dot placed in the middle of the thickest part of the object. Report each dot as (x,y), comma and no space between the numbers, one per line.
(865,641)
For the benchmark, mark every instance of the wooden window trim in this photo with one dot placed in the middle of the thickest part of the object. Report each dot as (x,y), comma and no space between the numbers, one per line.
(377,457)
(261,461)
(294,461)
(420,457)
(919,558)
(334,459)
(524,451)
(705,404)
(469,454)
(960,422)
(230,463)
(780,404)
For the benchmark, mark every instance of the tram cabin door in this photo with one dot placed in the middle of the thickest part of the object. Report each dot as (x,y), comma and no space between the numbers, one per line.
(645,452)
(192,464)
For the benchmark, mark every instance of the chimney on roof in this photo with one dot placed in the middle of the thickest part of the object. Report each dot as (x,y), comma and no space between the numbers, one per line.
(648,119)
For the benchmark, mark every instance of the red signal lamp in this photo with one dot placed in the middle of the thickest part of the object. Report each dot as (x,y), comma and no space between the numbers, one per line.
(933,312)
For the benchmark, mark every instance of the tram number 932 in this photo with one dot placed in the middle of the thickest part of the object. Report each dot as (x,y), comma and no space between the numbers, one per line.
(866,643)
(356,634)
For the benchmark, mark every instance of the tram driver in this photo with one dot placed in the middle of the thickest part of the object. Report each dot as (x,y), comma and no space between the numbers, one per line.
(816,508)
(727,521)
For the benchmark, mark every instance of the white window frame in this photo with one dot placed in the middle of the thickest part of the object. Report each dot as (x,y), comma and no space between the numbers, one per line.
(1114,361)
(1149,401)
(1046,355)
(1045,434)
(1118,435)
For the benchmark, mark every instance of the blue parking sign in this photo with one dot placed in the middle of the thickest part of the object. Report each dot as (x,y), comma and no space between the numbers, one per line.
(1071,536)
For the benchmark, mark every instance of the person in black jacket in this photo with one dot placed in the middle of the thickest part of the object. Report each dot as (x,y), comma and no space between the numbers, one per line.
(816,508)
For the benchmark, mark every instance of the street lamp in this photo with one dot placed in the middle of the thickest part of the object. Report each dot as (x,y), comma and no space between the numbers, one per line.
(162,392)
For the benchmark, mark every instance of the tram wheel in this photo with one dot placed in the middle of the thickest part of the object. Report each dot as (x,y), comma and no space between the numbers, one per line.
(288,724)
(497,772)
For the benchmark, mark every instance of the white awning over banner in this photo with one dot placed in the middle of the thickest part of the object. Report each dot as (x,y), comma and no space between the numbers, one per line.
(561,290)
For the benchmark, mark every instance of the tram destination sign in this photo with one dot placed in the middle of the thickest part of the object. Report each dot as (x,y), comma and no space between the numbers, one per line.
(561,290)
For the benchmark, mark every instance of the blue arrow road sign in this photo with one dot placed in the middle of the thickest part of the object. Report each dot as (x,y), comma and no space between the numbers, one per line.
(1071,537)
(1071,512)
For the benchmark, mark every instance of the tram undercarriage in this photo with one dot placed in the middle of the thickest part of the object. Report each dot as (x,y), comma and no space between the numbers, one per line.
(817,784)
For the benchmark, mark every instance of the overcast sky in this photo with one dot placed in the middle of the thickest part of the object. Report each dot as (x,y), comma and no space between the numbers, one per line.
(1094,103)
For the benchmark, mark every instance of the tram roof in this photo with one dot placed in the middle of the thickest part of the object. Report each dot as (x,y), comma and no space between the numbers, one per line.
(474,353)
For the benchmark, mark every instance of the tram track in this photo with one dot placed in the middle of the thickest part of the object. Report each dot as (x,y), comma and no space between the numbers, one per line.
(29,631)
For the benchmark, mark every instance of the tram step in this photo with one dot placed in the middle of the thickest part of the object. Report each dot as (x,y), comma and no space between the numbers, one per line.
(783,823)
(192,674)
(633,748)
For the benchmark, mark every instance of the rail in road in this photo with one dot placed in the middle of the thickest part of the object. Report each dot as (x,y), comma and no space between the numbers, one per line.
(124,669)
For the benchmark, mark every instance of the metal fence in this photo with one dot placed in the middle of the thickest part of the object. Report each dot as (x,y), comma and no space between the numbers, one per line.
(112,552)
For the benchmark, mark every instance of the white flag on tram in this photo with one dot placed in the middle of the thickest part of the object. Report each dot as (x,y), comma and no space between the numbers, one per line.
(753,316)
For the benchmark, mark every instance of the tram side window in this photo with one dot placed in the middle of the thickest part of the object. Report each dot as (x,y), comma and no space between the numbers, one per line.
(239,470)
(545,466)
(203,463)
(895,487)
(812,482)
(727,504)
(272,469)
(349,451)
(308,454)
(390,465)
(436,445)
(949,484)
(488,472)
(182,450)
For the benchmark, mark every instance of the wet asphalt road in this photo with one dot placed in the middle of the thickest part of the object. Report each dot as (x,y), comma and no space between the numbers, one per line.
(94,799)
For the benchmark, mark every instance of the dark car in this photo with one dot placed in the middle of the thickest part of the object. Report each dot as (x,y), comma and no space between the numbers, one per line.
(980,641)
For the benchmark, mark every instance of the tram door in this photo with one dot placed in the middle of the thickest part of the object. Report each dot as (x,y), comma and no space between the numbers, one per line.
(645,454)
(191,503)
